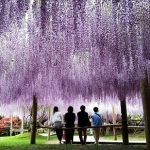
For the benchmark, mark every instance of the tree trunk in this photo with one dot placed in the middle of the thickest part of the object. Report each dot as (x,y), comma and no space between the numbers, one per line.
(34,118)
(22,125)
(11,125)
(145,92)
(107,122)
(124,122)
(49,130)
(114,122)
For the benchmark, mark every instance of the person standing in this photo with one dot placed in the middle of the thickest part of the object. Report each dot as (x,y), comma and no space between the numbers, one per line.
(83,121)
(69,119)
(57,123)
(96,121)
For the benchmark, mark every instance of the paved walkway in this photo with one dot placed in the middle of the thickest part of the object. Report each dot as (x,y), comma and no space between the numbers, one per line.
(90,139)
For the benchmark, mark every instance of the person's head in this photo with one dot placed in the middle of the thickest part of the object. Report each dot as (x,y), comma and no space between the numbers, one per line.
(95,109)
(82,108)
(70,109)
(55,109)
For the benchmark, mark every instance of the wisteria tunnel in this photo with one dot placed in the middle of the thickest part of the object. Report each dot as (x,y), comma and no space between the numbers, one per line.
(69,52)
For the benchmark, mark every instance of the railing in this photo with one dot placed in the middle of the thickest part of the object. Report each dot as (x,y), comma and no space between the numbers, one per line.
(114,126)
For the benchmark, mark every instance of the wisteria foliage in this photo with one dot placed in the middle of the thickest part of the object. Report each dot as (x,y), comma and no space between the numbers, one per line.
(68,49)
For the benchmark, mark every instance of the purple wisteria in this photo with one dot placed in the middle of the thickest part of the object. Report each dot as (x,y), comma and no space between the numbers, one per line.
(66,50)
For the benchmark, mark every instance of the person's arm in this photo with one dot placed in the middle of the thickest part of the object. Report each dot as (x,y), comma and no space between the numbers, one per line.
(87,119)
(60,115)
(65,118)
(74,118)
(54,117)
(78,117)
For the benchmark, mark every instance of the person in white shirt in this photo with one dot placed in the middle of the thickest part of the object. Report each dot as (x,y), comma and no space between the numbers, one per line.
(57,123)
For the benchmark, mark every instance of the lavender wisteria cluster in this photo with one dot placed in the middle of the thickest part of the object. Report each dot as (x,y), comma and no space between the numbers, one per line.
(70,49)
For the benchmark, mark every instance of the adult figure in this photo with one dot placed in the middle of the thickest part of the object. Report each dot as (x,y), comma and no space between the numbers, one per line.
(57,123)
(69,119)
(83,121)
(96,121)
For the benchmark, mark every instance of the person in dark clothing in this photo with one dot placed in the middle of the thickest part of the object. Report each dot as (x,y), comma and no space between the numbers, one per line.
(69,119)
(83,121)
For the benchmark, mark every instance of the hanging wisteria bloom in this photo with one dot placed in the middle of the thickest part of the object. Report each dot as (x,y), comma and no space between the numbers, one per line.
(70,49)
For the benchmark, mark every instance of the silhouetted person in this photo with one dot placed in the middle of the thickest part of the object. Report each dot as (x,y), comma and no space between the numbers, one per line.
(69,119)
(83,121)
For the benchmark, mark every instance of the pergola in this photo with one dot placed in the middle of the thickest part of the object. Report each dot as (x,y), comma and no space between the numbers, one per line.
(58,49)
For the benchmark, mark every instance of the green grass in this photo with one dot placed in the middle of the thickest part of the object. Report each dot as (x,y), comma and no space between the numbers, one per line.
(23,139)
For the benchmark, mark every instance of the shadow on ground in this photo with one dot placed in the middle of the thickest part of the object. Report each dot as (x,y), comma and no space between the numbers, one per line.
(72,147)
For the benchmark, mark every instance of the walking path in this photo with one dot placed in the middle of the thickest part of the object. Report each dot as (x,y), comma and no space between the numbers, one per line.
(90,139)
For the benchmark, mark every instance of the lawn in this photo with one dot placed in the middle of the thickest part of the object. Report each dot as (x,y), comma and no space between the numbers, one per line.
(21,142)
(23,139)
